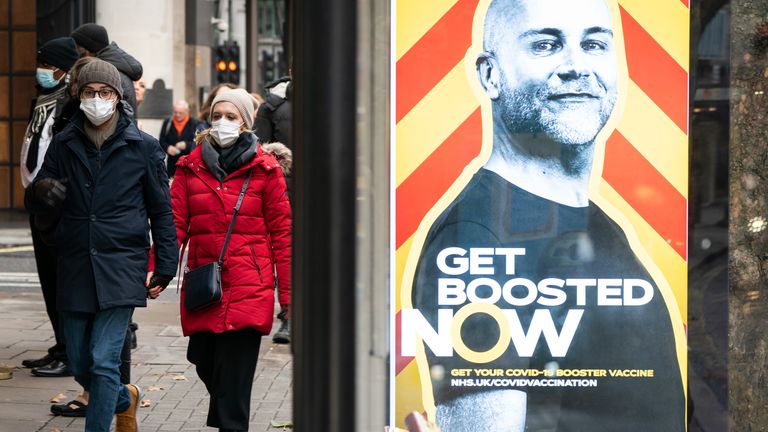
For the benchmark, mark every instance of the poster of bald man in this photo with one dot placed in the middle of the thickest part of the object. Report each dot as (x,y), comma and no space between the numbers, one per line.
(539,230)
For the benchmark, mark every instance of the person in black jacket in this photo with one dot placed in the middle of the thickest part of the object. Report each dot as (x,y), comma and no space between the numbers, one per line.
(106,183)
(273,118)
(55,58)
(177,135)
(273,124)
(93,41)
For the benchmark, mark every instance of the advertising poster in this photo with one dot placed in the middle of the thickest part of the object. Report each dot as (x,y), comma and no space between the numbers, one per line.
(539,194)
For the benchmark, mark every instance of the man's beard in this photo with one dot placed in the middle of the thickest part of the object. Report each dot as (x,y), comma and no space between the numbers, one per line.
(528,110)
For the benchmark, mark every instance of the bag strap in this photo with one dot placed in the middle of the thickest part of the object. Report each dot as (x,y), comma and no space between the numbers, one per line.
(181,259)
(234,216)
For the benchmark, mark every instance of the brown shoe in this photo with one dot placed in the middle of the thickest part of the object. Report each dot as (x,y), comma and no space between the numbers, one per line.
(126,420)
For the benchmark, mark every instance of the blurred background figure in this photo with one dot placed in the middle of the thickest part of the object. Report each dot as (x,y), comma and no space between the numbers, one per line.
(177,135)
(257,101)
(273,118)
(272,123)
(140,88)
(93,41)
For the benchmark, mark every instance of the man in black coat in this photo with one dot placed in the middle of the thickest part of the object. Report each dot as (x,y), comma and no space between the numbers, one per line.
(273,124)
(273,118)
(106,182)
(177,135)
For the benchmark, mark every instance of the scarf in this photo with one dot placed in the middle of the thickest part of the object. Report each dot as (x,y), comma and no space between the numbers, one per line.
(179,125)
(44,106)
(98,135)
(222,162)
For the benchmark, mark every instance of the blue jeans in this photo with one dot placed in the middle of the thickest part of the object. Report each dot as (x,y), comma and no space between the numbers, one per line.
(94,342)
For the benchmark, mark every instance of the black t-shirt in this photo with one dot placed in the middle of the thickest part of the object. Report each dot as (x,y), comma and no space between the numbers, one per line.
(561,245)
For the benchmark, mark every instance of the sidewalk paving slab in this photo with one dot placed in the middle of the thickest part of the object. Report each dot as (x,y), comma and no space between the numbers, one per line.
(178,400)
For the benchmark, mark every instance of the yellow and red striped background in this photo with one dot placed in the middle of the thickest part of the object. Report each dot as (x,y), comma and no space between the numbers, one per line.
(641,182)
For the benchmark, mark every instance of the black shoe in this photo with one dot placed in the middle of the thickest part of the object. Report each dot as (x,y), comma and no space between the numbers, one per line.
(73,408)
(283,335)
(133,327)
(35,363)
(56,369)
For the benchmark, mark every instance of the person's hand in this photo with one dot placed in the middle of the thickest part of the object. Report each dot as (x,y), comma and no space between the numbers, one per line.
(157,284)
(181,145)
(285,312)
(417,423)
(172,150)
(51,192)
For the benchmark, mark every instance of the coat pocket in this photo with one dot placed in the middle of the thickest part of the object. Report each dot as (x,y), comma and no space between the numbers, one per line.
(256,264)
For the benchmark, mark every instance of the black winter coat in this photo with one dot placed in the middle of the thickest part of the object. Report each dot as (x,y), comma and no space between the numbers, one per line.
(113,195)
(169,136)
(273,118)
(130,70)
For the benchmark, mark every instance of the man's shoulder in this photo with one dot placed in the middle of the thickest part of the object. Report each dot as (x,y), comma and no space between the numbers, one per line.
(146,142)
(469,211)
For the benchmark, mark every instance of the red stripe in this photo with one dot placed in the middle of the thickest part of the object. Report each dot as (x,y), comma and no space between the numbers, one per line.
(647,191)
(433,56)
(656,72)
(400,361)
(421,190)
(685,2)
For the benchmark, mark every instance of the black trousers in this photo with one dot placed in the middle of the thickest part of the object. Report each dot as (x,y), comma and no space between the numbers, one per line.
(226,363)
(46,261)
(125,359)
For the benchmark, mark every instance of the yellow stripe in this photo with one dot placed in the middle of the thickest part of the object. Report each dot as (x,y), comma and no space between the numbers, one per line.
(432,120)
(656,137)
(17,249)
(407,393)
(401,257)
(667,21)
(415,18)
(672,266)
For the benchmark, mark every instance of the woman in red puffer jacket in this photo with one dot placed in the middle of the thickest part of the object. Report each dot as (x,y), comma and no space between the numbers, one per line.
(224,338)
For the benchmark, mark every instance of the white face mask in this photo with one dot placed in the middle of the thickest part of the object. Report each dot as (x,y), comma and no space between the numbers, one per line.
(225,132)
(97,109)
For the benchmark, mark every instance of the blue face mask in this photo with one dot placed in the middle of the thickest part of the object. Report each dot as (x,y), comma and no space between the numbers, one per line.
(45,78)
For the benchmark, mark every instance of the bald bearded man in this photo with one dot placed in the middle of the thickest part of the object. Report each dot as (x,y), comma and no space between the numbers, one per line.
(549,68)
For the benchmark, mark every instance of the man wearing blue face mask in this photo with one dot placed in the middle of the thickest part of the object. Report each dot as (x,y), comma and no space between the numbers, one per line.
(54,59)
(106,182)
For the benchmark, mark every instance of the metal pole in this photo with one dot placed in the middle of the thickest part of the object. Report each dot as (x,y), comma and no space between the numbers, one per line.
(324,117)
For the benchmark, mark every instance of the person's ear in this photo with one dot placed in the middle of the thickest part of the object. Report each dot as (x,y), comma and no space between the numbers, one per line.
(488,74)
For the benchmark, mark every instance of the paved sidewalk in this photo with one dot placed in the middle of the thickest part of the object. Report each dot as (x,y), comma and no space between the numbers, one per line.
(177,399)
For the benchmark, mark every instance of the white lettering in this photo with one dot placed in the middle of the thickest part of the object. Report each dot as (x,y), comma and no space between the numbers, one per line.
(460,265)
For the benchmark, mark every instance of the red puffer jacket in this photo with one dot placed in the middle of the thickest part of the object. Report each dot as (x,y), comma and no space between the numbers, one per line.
(202,210)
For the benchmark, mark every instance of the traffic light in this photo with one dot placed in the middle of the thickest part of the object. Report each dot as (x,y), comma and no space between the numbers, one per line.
(233,62)
(220,64)
(227,63)
(267,66)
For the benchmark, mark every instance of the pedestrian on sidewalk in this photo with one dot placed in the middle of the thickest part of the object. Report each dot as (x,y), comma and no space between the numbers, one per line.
(54,59)
(93,41)
(224,338)
(272,123)
(107,182)
(177,135)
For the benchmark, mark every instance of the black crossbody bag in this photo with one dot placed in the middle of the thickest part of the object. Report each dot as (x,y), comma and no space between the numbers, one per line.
(202,286)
